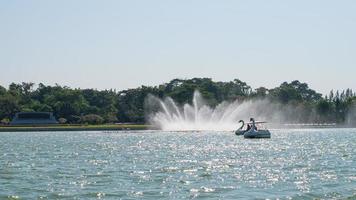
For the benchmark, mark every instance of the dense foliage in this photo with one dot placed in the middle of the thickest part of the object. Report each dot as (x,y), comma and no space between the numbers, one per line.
(94,107)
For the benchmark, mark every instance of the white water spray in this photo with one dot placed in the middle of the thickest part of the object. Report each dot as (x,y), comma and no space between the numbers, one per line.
(199,116)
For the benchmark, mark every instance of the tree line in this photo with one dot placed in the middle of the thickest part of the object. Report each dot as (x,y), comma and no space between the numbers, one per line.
(107,106)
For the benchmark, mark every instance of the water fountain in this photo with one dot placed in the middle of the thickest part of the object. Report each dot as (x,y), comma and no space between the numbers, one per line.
(199,116)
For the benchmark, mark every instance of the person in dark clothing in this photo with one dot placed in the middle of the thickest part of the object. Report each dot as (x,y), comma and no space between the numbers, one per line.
(248,127)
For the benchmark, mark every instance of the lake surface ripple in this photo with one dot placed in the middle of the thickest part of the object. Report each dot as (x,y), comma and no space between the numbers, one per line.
(293,164)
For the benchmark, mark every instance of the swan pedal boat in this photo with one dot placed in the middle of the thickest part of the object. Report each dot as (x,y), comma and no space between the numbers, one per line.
(253,133)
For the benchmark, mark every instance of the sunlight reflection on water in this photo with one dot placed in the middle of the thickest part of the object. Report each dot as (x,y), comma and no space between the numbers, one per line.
(318,163)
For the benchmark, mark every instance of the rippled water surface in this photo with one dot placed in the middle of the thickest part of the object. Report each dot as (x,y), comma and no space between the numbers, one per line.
(293,164)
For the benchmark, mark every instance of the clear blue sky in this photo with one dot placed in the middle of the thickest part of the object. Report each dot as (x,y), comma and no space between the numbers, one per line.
(125,44)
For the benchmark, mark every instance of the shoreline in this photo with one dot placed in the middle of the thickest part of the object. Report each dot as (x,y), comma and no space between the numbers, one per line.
(76,127)
(119,127)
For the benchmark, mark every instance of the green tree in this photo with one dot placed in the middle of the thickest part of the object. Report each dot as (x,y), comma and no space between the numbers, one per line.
(294,91)
(91,119)
(9,105)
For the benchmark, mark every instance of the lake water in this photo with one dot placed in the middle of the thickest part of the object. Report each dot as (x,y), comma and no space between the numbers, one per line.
(293,164)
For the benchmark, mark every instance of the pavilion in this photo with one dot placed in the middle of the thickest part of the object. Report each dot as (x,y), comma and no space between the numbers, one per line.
(33,118)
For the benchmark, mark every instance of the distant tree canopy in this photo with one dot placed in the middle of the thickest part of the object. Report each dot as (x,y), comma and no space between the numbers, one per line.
(93,106)
(294,91)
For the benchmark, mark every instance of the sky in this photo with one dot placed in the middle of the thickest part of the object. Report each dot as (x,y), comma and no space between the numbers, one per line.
(126,44)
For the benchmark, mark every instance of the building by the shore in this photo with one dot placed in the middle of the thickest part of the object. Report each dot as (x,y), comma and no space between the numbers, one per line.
(33,118)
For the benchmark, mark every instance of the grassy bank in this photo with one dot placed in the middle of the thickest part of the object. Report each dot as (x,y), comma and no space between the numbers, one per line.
(75,127)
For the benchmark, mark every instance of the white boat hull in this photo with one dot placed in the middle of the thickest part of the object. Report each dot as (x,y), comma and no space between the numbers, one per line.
(257,134)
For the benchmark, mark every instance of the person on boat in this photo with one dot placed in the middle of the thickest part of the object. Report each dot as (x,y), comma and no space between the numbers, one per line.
(253,123)
(248,127)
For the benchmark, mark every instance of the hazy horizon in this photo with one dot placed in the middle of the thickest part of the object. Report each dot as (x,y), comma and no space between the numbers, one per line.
(126,44)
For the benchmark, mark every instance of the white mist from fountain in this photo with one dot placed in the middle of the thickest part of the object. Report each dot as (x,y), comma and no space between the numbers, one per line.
(199,116)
